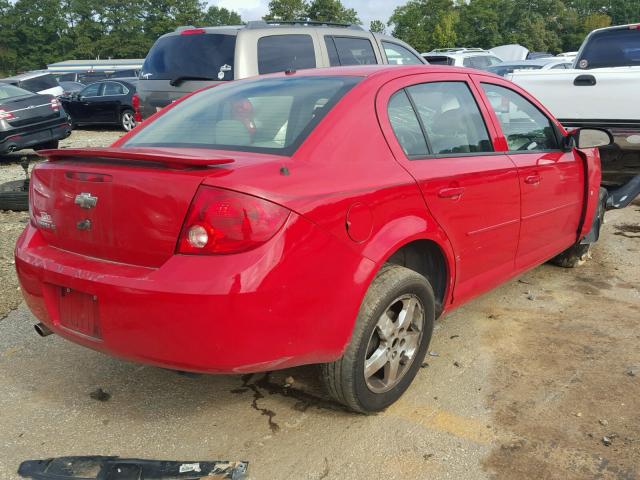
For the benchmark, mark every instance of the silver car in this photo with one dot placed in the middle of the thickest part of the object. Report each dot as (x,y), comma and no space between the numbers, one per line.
(191,58)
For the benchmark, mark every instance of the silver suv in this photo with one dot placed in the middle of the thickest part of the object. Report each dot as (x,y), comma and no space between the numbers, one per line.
(462,57)
(191,58)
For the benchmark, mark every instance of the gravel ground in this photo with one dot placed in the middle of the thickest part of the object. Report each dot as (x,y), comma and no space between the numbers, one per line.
(12,223)
(538,379)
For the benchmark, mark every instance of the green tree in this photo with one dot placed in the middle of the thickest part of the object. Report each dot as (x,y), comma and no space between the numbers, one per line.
(444,35)
(417,21)
(216,16)
(8,53)
(332,11)
(483,23)
(377,26)
(287,10)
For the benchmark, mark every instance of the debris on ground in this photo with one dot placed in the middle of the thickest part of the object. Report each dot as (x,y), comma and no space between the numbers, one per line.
(603,422)
(457,364)
(530,296)
(288,382)
(633,371)
(434,354)
(607,441)
(454,336)
(424,365)
(116,468)
(100,395)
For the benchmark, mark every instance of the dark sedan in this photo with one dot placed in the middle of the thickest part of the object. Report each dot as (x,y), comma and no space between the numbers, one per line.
(108,102)
(30,120)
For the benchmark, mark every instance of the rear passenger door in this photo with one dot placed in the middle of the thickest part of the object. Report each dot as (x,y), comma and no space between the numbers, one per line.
(552,181)
(438,132)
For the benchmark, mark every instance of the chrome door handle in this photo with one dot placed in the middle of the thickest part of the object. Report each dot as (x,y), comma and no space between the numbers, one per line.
(453,192)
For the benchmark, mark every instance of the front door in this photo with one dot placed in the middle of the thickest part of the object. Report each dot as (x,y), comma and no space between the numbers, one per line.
(471,190)
(551,180)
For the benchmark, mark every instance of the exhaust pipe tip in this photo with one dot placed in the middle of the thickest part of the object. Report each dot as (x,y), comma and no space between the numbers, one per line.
(42,330)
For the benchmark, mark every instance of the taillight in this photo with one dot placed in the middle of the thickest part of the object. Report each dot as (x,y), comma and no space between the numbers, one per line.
(4,115)
(135,103)
(55,104)
(222,222)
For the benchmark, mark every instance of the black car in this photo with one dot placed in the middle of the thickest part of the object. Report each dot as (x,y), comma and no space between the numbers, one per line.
(108,102)
(71,88)
(29,120)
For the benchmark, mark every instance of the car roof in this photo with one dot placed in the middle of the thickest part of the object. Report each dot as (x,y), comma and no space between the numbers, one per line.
(538,61)
(271,26)
(370,71)
(27,75)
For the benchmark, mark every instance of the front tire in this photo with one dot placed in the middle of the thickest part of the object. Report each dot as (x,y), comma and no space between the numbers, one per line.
(389,341)
(127,120)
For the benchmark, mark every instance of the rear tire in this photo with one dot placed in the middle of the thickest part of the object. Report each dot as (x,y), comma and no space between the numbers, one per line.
(389,341)
(127,120)
(53,144)
(14,197)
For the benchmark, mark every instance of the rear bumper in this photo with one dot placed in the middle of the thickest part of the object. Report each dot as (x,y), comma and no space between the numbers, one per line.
(32,135)
(275,307)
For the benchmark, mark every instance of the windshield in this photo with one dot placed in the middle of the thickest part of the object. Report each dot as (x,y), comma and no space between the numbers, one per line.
(271,115)
(611,48)
(198,56)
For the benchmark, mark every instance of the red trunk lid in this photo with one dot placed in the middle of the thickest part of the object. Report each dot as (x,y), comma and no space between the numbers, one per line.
(122,205)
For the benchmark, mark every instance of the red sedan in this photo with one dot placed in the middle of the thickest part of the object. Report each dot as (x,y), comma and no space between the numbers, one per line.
(325,216)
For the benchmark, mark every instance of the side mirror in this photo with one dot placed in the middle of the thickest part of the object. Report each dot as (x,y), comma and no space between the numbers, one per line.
(590,137)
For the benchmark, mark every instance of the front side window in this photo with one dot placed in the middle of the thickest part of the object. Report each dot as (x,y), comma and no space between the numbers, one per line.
(524,126)
(399,55)
(452,120)
(279,53)
(272,115)
(92,90)
(406,126)
(350,51)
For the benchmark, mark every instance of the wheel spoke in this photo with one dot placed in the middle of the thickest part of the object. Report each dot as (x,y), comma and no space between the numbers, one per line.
(375,362)
(412,339)
(406,315)
(386,327)
(391,371)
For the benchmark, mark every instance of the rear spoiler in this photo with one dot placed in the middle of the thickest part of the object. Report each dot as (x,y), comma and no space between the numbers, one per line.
(175,158)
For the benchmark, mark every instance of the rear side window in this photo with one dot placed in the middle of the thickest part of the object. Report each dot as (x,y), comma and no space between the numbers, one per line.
(406,126)
(272,115)
(199,56)
(37,84)
(524,126)
(399,55)
(125,74)
(611,48)
(279,53)
(113,88)
(350,51)
(452,120)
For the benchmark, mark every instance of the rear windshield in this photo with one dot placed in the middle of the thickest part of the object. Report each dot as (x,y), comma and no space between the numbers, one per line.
(11,91)
(611,48)
(272,115)
(37,84)
(195,56)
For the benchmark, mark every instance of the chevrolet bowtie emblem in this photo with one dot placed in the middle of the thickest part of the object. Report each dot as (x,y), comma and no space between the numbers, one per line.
(86,200)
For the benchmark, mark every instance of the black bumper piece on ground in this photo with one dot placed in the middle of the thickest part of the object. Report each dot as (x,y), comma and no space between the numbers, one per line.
(115,468)
(623,196)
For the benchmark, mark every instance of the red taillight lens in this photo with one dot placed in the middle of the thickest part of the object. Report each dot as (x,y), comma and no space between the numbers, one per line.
(135,103)
(222,222)
(55,104)
(4,115)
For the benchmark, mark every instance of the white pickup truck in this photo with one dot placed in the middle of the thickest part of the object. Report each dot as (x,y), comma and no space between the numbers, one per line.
(602,90)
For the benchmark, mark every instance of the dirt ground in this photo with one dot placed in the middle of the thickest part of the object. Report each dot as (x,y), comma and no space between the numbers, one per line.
(12,223)
(539,379)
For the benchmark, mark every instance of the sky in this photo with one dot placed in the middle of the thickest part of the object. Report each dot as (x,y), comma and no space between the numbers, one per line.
(367,9)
